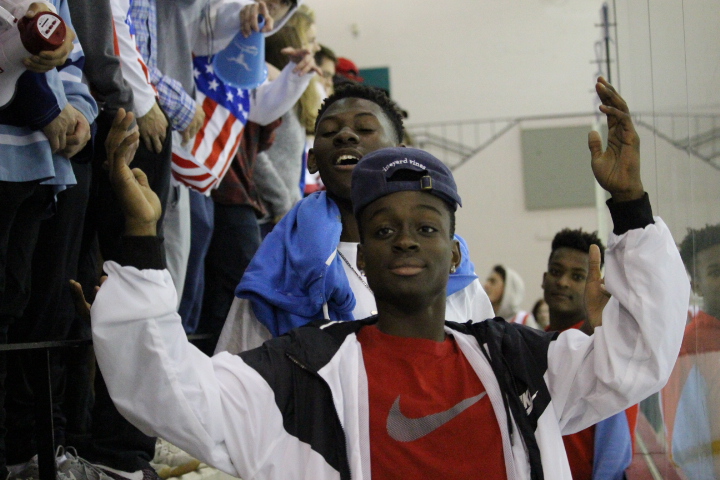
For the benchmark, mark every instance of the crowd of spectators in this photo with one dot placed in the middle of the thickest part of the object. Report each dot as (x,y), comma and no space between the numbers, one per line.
(228,166)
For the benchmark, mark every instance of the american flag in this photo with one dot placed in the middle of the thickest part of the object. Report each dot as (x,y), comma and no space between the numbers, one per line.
(202,164)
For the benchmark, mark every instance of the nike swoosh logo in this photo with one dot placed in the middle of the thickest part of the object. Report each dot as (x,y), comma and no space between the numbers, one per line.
(404,429)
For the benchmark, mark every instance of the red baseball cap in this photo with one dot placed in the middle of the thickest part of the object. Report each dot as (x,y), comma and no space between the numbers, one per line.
(348,69)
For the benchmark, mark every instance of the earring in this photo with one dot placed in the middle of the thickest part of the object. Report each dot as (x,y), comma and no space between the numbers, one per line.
(452,269)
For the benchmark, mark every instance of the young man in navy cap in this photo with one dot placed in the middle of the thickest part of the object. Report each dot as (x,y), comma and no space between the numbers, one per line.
(305,268)
(402,394)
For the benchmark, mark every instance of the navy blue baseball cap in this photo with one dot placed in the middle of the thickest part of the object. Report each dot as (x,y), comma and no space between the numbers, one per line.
(400,169)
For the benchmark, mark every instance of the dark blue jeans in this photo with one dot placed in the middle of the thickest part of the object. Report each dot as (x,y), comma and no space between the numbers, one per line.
(201,232)
(235,240)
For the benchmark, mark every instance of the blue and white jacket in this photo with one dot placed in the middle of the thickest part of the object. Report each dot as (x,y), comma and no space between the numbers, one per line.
(297,408)
(25,153)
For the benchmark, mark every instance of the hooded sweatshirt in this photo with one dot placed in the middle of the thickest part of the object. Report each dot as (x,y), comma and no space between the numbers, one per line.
(513,295)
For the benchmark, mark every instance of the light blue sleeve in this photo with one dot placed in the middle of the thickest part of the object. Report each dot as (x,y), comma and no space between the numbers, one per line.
(70,73)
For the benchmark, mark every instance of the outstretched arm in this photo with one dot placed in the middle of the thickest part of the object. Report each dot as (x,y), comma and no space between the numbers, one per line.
(632,354)
(219,410)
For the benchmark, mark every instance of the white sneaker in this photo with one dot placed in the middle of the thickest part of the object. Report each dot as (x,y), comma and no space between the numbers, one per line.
(167,454)
(77,467)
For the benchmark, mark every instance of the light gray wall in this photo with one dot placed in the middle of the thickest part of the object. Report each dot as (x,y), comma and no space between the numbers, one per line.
(466,59)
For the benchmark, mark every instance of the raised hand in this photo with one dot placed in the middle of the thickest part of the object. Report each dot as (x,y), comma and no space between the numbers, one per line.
(249,18)
(138,202)
(304,59)
(596,296)
(617,169)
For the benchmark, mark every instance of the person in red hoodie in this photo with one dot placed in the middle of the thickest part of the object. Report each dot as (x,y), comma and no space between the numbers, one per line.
(604,450)
(691,408)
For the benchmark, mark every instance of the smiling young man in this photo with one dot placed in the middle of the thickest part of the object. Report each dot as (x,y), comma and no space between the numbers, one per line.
(404,393)
(601,451)
(305,268)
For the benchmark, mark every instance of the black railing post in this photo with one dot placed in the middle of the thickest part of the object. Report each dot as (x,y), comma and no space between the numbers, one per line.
(44,432)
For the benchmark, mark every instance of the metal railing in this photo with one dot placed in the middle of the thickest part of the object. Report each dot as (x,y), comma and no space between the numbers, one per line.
(40,367)
(459,141)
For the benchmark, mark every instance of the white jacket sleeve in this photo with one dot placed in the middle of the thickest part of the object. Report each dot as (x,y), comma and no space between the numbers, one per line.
(218,409)
(272,100)
(632,354)
(159,381)
(133,67)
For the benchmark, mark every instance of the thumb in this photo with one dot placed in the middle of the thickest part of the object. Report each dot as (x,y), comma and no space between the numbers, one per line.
(594,264)
(595,144)
(141,178)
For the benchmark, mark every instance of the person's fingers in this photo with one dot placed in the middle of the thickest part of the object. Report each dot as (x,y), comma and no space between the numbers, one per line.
(118,155)
(302,66)
(74,139)
(610,96)
(157,143)
(82,307)
(147,140)
(253,19)
(36,67)
(141,177)
(246,15)
(35,8)
(594,264)
(595,144)
(269,23)
(117,132)
(54,143)
(185,136)
(62,140)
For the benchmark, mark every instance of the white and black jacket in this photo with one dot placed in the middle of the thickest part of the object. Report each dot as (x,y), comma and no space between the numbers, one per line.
(297,408)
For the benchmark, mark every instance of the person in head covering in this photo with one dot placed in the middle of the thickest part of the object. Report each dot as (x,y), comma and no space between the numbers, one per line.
(506,291)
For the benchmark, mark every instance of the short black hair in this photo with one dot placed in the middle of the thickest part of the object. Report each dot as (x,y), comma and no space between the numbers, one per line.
(369,93)
(500,270)
(695,242)
(577,240)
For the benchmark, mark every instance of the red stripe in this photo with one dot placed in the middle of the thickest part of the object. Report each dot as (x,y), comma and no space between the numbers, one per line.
(229,162)
(191,185)
(208,107)
(116,45)
(183,162)
(220,142)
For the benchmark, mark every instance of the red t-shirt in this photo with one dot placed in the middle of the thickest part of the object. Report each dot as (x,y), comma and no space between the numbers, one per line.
(430,416)
(580,446)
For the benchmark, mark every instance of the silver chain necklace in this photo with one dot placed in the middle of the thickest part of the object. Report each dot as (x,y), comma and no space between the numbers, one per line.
(357,274)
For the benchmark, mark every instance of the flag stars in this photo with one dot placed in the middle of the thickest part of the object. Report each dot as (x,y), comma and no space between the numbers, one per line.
(230,96)
(209,68)
(213,84)
(196,73)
